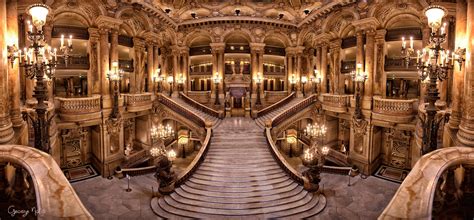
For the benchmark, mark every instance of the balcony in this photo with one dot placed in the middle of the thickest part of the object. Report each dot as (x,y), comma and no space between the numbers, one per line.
(336,103)
(138,102)
(77,109)
(399,64)
(393,110)
(74,62)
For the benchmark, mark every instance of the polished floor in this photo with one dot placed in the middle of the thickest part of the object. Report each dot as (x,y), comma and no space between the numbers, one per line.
(239,187)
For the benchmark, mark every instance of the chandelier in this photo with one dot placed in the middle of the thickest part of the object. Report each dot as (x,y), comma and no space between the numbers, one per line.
(434,62)
(162,132)
(316,130)
(39,62)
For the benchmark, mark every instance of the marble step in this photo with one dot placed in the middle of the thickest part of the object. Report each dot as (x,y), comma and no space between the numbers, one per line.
(229,200)
(241,209)
(239,185)
(233,180)
(292,186)
(236,174)
(233,161)
(239,189)
(248,167)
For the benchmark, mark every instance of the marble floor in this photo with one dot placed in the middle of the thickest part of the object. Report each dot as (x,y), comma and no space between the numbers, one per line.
(107,199)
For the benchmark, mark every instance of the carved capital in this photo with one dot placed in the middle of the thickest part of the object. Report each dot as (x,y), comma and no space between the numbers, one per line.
(257,47)
(365,24)
(138,43)
(217,47)
(93,34)
(108,22)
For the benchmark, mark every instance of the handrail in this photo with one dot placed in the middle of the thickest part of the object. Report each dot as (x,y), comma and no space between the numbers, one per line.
(414,198)
(181,110)
(293,110)
(294,174)
(200,106)
(55,197)
(136,171)
(196,161)
(276,105)
(393,106)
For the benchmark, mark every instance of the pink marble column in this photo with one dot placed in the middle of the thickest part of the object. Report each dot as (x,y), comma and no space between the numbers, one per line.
(150,65)
(458,74)
(156,58)
(426,32)
(324,67)
(6,127)
(93,75)
(104,55)
(466,128)
(369,63)
(360,47)
(380,78)
(13,72)
(114,46)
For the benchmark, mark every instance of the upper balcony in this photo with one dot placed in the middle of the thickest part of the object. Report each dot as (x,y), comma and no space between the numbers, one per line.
(138,102)
(74,109)
(394,110)
(336,103)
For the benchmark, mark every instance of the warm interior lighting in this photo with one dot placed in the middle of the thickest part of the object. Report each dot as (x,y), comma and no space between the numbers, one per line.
(217,78)
(291,136)
(170,79)
(115,73)
(304,79)
(155,152)
(258,78)
(171,155)
(38,13)
(183,137)
(435,14)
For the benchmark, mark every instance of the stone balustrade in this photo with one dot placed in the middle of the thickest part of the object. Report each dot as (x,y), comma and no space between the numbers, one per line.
(393,110)
(138,102)
(55,197)
(414,198)
(336,103)
(79,108)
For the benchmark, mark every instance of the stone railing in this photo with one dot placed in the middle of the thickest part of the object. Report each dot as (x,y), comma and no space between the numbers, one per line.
(177,108)
(274,106)
(203,97)
(277,120)
(55,197)
(336,103)
(393,110)
(196,161)
(201,107)
(399,64)
(138,102)
(74,62)
(79,108)
(414,198)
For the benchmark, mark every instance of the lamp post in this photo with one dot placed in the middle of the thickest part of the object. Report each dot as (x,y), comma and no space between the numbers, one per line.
(407,53)
(39,62)
(115,75)
(359,78)
(158,78)
(433,63)
(304,80)
(316,80)
(170,81)
(314,159)
(258,81)
(180,80)
(217,80)
(293,82)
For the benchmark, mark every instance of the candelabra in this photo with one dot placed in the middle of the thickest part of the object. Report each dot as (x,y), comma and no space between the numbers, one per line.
(317,130)
(433,63)
(359,78)
(258,81)
(180,80)
(217,80)
(293,82)
(407,53)
(158,77)
(157,133)
(115,75)
(66,50)
(314,159)
(170,81)
(304,80)
(316,80)
(39,62)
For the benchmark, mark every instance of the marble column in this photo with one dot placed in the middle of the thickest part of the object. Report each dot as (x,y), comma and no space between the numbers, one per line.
(458,74)
(156,58)
(360,47)
(104,65)
(175,54)
(6,126)
(13,71)
(164,68)
(93,74)
(324,67)
(466,128)
(257,51)
(380,79)
(335,54)
(138,65)
(114,46)
(48,32)
(369,63)
(289,71)
(426,32)
(150,65)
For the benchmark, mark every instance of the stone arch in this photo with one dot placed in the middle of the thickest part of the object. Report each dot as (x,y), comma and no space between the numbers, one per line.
(245,33)
(337,22)
(390,22)
(306,35)
(283,38)
(139,22)
(76,15)
(388,14)
(190,37)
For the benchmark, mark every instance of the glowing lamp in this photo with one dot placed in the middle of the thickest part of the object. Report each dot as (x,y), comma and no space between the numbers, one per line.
(435,14)
(38,13)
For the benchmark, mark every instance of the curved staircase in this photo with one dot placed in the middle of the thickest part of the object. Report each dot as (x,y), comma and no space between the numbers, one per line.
(215,121)
(239,178)
(261,120)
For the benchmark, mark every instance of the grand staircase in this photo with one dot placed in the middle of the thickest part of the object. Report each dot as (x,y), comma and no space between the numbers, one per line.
(215,121)
(239,178)
(261,120)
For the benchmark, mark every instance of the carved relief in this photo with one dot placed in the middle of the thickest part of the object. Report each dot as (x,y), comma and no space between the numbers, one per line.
(360,130)
(74,142)
(397,142)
